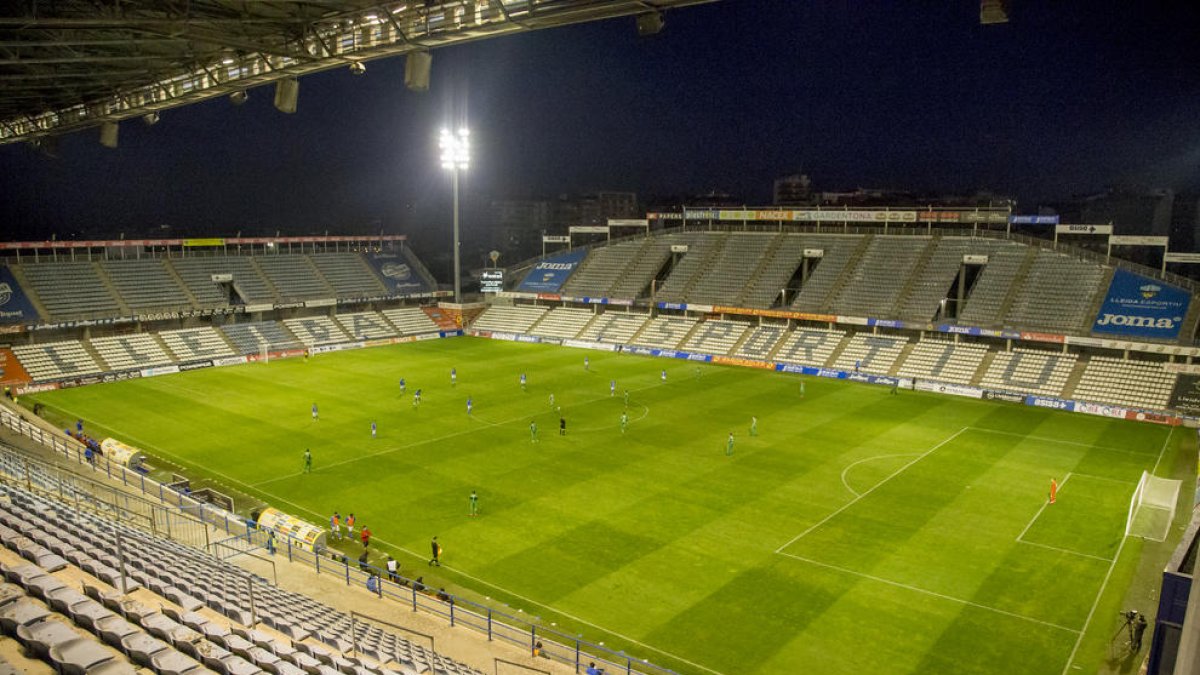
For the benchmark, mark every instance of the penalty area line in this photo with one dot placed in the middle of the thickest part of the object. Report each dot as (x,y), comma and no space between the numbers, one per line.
(935,594)
(874,487)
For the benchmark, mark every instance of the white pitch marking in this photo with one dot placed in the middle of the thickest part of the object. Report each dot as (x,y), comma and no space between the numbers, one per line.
(874,487)
(868,459)
(1108,575)
(1064,550)
(1020,537)
(935,594)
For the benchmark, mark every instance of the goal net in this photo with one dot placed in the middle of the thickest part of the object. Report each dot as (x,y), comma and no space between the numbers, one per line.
(1152,508)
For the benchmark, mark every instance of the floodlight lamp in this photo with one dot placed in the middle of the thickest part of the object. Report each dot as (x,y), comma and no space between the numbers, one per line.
(455,149)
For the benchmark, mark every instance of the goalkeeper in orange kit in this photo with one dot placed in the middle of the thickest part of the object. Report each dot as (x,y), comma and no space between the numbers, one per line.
(1053,490)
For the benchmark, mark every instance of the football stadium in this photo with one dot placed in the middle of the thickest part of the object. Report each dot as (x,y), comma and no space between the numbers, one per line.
(885,439)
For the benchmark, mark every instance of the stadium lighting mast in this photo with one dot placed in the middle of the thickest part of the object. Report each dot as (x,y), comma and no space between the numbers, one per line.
(456,156)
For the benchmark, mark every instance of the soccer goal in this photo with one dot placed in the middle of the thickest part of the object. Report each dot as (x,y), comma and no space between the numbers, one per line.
(1152,508)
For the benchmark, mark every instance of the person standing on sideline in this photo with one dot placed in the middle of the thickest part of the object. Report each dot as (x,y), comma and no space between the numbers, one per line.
(79,427)
(335,525)
(365,535)
(314,411)
(533,432)
(307,460)
(474,503)
(350,526)
(90,456)
(453,377)
(436,549)
(729,445)
(393,570)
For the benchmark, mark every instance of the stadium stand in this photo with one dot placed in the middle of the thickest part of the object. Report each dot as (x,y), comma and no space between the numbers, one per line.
(878,278)
(932,282)
(664,332)
(810,346)
(1142,384)
(780,263)
(299,635)
(703,249)
(56,360)
(348,274)
(250,338)
(1057,294)
(128,352)
(987,295)
(603,267)
(146,284)
(1032,371)
(716,337)
(70,290)
(410,321)
(636,278)
(614,327)
(508,319)
(821,280)
(195,344)
(761,341)
(316,330)
(726,276)
(944,361)
(369,325)
(197,274)
(294,277)
(563,322)
(870,353)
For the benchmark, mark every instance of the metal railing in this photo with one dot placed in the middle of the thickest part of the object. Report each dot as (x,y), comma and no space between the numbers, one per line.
(183,519)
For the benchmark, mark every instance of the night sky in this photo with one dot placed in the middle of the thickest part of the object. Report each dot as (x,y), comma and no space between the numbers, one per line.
(1070,97)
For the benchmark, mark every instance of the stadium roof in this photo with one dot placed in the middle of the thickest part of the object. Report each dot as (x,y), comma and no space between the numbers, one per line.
(72,64)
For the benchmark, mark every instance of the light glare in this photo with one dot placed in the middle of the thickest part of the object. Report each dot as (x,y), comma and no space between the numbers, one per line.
(456,150)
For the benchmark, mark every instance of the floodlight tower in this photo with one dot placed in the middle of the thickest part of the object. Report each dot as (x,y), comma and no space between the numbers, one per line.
(456,156)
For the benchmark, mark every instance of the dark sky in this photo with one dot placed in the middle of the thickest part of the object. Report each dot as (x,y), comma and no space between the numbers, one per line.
(1069,97)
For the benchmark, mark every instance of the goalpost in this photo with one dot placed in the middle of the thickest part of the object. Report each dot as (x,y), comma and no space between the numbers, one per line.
(264,354)
(1152,507)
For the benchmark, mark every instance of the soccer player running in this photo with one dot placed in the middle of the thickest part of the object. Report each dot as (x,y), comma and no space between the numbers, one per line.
(314,412)
(403,386)
(612,387)
(307,461)
(436,549)
(522,381)
(453,377)
(624,421)
(729,445)
(753,426)
(533,432)
(664,376)
(373,429)
(551,400)
(470,405)
(417,399)
(626,398)
(474,504)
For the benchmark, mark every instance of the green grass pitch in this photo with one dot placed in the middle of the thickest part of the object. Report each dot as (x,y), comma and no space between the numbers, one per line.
(858,532)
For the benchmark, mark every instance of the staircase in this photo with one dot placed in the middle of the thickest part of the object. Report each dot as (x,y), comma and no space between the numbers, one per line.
(1018,283)
(112,290)
(766,263)
(901,358)
(174,274)
(1098,301)
(266,280)
(705,265)
(917,270)
(1076,375)
(847,272)
(984,366)
(87,347)
(837,351)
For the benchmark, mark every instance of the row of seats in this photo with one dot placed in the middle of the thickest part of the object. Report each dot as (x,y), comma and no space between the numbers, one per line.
(716,337)
(300,635)
(1123,382)
(508,318)
(87,289)
(614,327)
(1033,371)
(664,332)
(56,360)
(944,361)
(129,352)
(563,322)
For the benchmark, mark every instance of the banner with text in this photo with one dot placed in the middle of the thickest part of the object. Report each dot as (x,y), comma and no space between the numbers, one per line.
(551,273)
(1186,395)
(1139,306)
(14,306)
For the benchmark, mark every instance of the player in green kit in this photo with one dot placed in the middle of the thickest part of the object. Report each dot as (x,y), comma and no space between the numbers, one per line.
(624,421)
(729,445)
(753,426)
(474,503)
(307,461)
(626,398)
(533,432)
